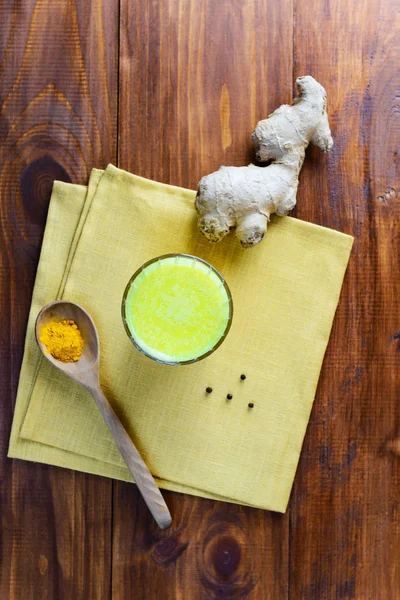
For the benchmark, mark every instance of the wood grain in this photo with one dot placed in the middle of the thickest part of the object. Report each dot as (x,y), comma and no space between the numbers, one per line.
(344,515)
(195,77)
(192,78)
(58,91)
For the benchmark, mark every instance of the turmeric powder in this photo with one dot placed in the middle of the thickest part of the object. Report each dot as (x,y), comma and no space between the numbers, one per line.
(63,340)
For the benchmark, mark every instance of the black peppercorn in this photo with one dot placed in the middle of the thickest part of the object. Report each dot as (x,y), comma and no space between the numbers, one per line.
(251,404)
(209,390)
(243,377)
(229,396)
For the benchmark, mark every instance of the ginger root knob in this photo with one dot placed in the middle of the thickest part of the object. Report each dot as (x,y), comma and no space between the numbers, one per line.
(243,198)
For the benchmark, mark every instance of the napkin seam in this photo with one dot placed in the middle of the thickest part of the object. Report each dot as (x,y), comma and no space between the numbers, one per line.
(27,430)
(94,180)
(40,300)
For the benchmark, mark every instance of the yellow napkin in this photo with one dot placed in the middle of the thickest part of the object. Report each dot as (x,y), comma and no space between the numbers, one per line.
(285,293)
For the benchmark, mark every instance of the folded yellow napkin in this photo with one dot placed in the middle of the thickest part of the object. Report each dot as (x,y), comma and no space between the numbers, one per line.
(285,292)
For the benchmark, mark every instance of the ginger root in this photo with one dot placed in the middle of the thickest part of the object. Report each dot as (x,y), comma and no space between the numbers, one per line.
(244,198)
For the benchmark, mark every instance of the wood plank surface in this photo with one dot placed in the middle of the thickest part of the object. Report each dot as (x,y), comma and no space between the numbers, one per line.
(195,77)
(191,91)
(344,514)
(58,92)
(171,90)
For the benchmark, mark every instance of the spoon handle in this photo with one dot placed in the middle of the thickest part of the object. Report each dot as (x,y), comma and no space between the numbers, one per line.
(136,465)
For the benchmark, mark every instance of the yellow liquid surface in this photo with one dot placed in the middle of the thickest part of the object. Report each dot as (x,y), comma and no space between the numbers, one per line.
(177,309)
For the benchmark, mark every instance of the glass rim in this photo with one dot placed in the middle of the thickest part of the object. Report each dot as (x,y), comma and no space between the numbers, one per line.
(191,360)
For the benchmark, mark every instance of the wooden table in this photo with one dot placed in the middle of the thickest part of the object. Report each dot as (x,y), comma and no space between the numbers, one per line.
(170,90)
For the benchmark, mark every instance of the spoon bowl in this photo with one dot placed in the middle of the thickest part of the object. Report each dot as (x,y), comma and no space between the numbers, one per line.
(89,360)
(86,372)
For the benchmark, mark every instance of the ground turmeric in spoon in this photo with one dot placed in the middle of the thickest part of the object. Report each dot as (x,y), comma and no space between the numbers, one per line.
(63,340)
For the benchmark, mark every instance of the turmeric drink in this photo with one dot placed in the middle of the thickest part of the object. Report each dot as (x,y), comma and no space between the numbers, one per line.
(177,309)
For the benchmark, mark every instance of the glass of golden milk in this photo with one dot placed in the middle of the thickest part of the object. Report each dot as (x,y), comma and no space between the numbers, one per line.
(177,309)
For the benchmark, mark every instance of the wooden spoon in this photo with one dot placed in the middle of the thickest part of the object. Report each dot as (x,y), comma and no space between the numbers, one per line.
(86,372)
